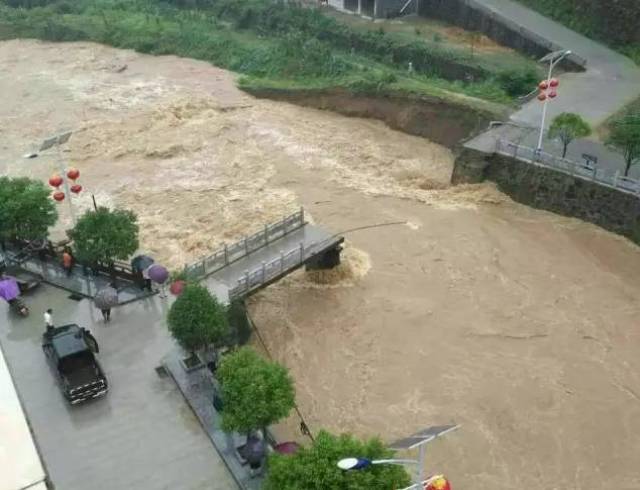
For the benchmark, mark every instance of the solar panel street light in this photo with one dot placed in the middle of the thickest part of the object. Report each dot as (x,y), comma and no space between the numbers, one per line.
(418,440)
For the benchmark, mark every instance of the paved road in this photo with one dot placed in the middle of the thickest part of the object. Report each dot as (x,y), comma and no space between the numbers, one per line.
(142,435)
(610,82)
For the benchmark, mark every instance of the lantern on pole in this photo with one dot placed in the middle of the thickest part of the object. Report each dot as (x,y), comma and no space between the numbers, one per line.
(55,181)
(73,174)
(58,196)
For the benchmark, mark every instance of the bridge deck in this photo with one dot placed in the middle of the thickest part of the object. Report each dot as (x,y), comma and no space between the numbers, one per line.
(313,240)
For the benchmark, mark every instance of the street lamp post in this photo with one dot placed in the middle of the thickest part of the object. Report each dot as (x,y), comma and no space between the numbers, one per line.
(418,440)
(553,59)
(64,177)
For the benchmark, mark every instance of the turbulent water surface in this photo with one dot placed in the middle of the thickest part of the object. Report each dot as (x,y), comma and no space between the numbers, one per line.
(520,325)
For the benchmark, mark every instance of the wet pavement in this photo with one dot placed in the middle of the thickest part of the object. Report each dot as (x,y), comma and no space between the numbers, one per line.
(142,434)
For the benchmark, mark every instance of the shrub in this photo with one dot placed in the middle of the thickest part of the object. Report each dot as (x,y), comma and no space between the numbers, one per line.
(256,393)
(196,318)
(26,209)
(518,82)
(104,235)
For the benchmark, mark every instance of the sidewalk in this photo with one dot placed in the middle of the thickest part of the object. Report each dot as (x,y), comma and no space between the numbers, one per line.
(610,82)
(83,285)
(198,388)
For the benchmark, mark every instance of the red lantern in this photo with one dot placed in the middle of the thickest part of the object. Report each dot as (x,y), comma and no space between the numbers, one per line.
(542,96)
(55,181)
(76,188)
(543,85)
(73,173)
(58,196)
(177,287)
(438,483)
(553,94)
(554,82)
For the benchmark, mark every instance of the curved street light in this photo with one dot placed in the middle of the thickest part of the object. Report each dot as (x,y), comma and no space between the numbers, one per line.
(553,59)
(418,440)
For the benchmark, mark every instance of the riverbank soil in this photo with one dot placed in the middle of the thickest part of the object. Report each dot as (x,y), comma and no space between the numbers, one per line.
(518,324)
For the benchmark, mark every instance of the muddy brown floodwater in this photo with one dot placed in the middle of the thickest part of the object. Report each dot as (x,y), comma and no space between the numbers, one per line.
(520,325)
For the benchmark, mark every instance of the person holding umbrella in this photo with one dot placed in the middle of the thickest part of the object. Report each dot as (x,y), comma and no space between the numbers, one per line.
(105,299)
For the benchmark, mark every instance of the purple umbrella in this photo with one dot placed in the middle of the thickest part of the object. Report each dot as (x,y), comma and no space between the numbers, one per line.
(158,274)
(9,289)
(289,447)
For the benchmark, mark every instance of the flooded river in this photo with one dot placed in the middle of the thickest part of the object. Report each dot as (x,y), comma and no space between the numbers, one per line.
(521,325)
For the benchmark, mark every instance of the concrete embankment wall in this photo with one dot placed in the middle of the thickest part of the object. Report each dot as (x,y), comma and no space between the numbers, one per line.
(474,17)
(441,122)
(548,189)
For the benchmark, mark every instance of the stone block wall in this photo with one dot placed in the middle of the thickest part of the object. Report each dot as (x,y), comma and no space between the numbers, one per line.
(548,189)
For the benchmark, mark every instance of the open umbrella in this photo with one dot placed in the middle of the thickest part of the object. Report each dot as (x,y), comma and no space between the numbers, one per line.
(9,289)
(141,262)
(106,298)
(158,274)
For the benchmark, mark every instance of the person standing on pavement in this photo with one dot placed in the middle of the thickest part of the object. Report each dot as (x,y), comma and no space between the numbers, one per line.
(67,261)
(48,319)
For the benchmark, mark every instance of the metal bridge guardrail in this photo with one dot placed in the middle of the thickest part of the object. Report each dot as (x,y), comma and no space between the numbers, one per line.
(270,270)
(582,170)
(236,251)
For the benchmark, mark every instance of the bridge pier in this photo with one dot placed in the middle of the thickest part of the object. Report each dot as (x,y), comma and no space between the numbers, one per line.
(326,260)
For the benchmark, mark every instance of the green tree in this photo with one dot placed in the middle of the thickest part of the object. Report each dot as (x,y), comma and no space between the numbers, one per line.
(314,468)
(625,137)
(26,209)
(196,318)
(103,236)
(256,392)
(567,127)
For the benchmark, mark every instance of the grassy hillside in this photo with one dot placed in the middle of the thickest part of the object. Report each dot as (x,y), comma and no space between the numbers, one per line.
(278,43)
(614,22)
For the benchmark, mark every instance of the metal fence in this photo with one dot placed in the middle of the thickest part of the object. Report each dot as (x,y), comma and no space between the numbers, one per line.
(277,267)
(524,32)
(581,170)
(231,253)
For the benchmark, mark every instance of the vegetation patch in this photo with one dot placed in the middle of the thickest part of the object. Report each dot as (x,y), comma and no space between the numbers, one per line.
(267,40)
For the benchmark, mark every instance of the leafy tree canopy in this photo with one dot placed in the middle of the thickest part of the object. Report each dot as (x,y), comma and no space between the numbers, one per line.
(256,392)
(26,209)
(315,468)
(625,137)
(104,235)
(567,127)
(196,318)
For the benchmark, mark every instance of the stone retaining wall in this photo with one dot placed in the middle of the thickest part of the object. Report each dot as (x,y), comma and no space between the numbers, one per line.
(548,189)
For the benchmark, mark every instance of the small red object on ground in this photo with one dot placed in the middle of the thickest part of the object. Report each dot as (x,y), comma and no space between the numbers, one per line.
(177,287)
(439,482)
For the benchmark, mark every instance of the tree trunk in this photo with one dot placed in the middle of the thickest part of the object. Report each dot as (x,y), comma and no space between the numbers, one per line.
(564,149)
(627,168)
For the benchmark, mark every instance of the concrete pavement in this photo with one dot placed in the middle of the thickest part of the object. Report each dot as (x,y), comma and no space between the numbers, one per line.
(142,435)
(610,82)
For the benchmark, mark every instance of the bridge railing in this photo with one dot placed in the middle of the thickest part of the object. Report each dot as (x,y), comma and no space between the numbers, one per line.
(577,169)
(231,253)
(269,270)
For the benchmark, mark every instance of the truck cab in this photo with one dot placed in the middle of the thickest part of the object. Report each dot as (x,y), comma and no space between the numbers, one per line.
(70,350)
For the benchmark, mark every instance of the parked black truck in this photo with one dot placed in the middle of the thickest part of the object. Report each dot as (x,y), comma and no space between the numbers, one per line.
(70,350)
